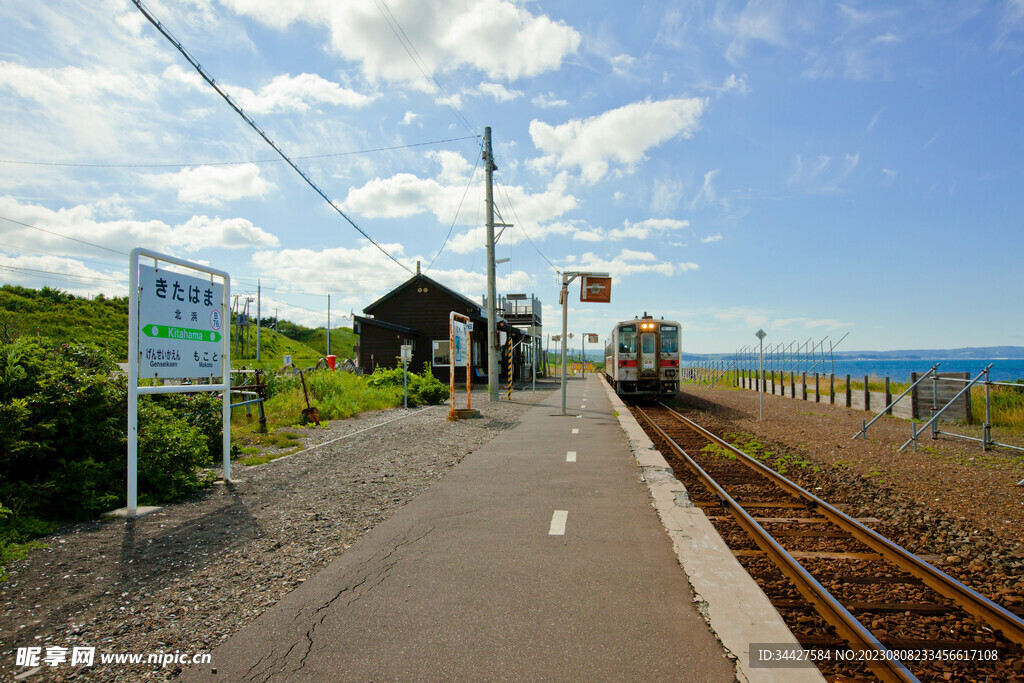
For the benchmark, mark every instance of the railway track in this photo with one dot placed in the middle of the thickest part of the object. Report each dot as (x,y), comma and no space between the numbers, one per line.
(860,605)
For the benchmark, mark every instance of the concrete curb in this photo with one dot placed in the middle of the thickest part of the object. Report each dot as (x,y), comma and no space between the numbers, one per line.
(732,603)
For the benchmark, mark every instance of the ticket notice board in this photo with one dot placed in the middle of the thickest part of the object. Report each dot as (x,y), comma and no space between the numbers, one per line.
(181,325)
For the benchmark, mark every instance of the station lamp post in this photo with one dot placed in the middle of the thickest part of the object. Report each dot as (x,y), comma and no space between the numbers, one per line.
(596,287)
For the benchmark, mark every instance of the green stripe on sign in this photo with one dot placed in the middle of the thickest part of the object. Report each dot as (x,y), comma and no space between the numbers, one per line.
(180,333)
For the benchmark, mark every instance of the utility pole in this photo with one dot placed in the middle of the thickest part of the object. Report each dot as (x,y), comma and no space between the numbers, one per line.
(492,323)
(259,320)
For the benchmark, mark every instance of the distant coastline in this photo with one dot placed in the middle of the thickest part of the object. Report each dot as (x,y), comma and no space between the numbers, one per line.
(975,353)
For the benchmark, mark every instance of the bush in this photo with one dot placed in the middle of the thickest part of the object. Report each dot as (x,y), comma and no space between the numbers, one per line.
(169,452)
(423,389)
(63,423)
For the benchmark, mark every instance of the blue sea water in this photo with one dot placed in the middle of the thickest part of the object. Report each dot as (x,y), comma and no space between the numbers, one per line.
(1005,370)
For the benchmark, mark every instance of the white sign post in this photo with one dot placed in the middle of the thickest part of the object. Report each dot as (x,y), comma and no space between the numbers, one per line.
(406,353)
(178,327)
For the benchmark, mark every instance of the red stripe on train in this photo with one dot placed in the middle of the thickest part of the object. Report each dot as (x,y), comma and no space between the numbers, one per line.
(627,363)
(670,364)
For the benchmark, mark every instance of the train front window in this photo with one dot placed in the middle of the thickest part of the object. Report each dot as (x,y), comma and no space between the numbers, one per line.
(669,339)
(647,343)
(627,339)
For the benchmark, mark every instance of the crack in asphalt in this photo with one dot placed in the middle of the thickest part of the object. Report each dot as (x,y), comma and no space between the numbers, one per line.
(371,579)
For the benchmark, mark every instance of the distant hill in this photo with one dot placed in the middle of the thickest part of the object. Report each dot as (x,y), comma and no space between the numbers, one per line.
(102,322)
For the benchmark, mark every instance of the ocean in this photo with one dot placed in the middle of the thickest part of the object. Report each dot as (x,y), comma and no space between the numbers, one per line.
(1003,370)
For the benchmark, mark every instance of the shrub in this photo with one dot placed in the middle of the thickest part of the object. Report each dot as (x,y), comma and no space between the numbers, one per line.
(63,421)
(423,389)
(169,452)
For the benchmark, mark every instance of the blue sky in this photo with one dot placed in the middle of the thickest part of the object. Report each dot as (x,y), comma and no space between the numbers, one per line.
(811,168)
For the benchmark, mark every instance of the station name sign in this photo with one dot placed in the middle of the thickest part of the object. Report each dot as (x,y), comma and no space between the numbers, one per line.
(181,325)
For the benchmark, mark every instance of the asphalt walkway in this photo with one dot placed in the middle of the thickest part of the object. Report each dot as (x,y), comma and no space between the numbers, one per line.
(539,557)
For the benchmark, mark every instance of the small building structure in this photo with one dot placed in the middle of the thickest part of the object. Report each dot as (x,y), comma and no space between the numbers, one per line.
(416,313)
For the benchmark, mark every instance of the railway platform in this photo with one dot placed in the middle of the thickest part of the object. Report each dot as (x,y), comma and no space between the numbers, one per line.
(539,556)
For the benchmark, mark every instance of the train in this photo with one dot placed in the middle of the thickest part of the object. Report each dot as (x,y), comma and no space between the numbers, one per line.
(641,358)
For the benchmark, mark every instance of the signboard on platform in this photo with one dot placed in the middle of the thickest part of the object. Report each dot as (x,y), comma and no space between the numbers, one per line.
(182,324)
(460,344)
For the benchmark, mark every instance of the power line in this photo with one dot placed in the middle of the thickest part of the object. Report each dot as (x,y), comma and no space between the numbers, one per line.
(66,275)
(252,124)
(472,176)
(521,225)
(50,253)
(418,61)
(236,163)
(57,234)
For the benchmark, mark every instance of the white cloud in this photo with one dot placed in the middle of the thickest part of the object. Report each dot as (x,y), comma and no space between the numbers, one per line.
(627,262)
(647,228)
(706,194)
(819,176)
(499,38)
(687,266)
(409,118)
(737,83)
(666,191)
(89,223)
(548,101)
(68,274)
(499,92)
(356,277)
(213,184)
(622,64)
(406,194)
(712,238)
(620,135)
(283,93)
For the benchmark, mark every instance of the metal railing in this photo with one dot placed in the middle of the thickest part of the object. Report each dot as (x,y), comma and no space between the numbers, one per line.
(885,411)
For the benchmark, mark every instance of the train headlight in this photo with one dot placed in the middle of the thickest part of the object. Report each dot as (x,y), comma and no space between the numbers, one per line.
(670,373)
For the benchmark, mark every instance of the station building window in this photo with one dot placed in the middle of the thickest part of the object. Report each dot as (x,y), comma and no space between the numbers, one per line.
(441,356)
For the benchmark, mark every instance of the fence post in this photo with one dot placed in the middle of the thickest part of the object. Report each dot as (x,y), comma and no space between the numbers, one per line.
(773,382)
(867,394)
(817,389)
(803,386)
(888,397)
(832,388)
(792,384)
(849,392)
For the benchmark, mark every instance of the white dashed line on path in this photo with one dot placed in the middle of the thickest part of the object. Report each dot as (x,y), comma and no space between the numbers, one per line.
(576,430)
(570,456)
(558,523)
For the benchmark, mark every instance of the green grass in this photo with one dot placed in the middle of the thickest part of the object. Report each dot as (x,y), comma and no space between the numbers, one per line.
(780,462)
(335,395)
(1007,406)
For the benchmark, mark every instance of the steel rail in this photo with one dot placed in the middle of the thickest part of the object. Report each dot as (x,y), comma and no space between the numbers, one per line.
(1009,624)
(885,666)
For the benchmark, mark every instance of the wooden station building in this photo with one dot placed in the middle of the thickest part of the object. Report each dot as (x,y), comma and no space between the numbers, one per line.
(417,313)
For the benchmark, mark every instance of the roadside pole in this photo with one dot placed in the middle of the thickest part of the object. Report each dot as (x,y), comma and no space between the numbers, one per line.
(761,334)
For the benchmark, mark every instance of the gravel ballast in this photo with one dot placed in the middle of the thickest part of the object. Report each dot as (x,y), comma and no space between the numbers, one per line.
(184,579)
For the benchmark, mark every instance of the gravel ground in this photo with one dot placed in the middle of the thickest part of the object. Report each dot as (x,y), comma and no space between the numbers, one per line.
(186,578)
(951,502)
